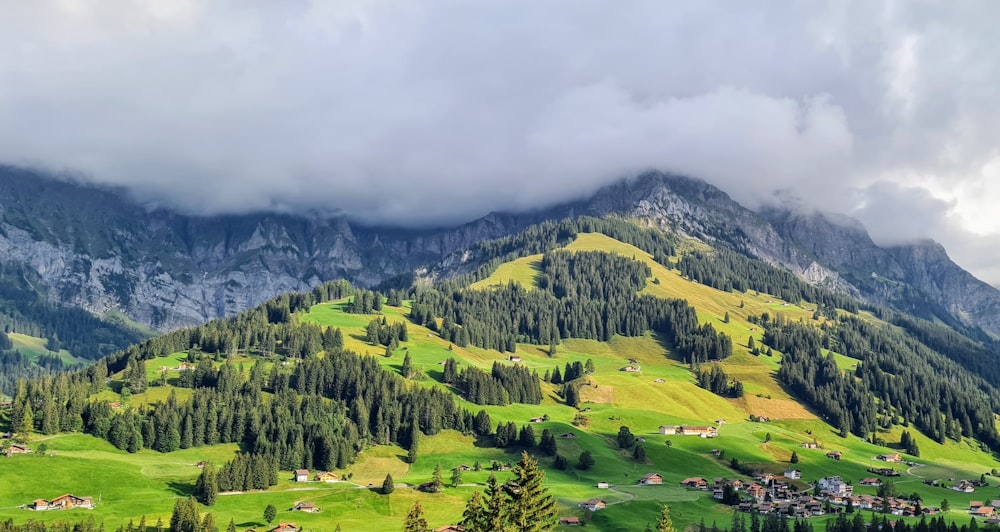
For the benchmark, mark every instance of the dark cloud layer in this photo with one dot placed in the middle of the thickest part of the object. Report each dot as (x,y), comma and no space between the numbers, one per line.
(426,112)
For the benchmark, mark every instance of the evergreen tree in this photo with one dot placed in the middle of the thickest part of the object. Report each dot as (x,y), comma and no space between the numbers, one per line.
(548,443)
(586,460)
(185,516)
(206,488)
(456,477)
(407,370)
(664,524)
(437,479)
(388,485)
(496,505)
(475,517)
(230,528)
(531,506)
(208,524)
(639,454)
(415,521)
(270,512)
(795,458)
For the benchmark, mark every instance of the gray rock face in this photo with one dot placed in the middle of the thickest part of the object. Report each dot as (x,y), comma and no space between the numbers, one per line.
(94,248)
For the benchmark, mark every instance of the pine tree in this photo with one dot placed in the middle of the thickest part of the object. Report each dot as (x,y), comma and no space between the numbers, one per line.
(664,524)
(795,458)
(586,461)
(185,516)
(415,521)
(496,505)
(208,524)
(407,370)
(388,485)
(437,479)
(270,512)
(475,518)
(548,443)
(206,488)
(531,506)
(230,528)
(456,477)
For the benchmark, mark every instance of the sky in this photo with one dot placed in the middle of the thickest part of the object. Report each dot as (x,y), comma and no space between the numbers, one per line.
(432,112)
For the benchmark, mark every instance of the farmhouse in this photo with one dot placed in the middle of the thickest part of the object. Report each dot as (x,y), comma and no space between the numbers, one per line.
(305,507)
(18,449)
(285,527)
(835,486)
(537,419)
(964,486)
(630,369)
(706,431)
(894,457)
(603,485)
(651,478)
(695,482)
(184,366)
(871,481)
(64,502)
(568,436)
(975,505)
(462,467)
(325,476)
(985,511)
(514,358)
(593,505)
(569,521)
(810,445)
(669,430)
(836,455)
(301,475)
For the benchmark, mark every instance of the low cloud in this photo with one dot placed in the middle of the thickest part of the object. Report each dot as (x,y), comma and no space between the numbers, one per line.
(440,111)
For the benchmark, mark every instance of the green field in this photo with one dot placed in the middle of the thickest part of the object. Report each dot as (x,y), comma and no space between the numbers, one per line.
(664,392)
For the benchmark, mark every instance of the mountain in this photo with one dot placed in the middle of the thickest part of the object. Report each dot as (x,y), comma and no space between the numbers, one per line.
(96,249)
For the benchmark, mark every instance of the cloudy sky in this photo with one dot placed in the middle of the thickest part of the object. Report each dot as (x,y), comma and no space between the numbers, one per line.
(438,111)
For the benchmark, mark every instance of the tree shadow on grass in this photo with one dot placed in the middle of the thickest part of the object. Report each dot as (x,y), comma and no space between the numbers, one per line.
(180,488)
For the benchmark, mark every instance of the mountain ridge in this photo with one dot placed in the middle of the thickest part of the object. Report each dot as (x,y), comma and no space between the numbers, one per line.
(96,249)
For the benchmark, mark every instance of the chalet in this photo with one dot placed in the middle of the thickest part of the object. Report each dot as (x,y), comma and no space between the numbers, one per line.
(301,475)
(40,504)
(568,436)
(18,449)
(325,476)
(964,486)
(631,369)
(995,503)
(306,507)
(706,431)
(6,435)
(975,505)
(593,505)
(603,485)
(985,511)
(871,481)
(285,527)
(669,430)
(184,366)
(894,457)
(652,478)
(569,521)
(514,358)
(538,419)
(793,474)
(836,455)
(68,501)
(695,482)
(462,467)
(810,445)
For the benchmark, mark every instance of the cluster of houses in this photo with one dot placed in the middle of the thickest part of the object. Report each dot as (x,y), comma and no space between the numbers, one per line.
(705,431)
(302,475)
(63,502)
(16,448)
(978,509)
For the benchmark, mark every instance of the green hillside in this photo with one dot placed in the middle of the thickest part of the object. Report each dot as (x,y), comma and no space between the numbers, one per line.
(664,391)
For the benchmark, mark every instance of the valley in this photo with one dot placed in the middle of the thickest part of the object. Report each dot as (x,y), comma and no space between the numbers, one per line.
(763,429)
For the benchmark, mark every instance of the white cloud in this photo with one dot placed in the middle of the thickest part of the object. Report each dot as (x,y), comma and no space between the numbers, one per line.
(443,110)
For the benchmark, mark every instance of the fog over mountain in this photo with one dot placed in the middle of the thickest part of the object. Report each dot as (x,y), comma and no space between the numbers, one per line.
(437,112)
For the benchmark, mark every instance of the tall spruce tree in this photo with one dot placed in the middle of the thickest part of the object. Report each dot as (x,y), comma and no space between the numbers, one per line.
(415,521)
(531,506)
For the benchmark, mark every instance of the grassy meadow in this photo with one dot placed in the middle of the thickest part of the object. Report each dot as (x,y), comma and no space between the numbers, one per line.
(664,392)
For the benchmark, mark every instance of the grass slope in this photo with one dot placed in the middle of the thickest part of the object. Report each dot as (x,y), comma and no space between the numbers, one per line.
(148,482)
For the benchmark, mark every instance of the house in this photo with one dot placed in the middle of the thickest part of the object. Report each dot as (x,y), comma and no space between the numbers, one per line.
(462,467)
(630,369)
(593,505)
(669,430)
(202,463)
(6,436)
(568,436)
(793,474)
(836,455)
(964,486)
(651,478)
(305,507)
(871,481)
(325,476)
(301,475)
(68,501)
(985,511)
(658,381)
(975,505)
(603,485)
(538,419)
(640,439)
(894,457)
(285,527)
(184,366)
(18,449)
(40,504)
(450,528)
(514,358)
(706,431)
(835,486)
(810,445)
(995,503)
(569,521)
(633,361)
(695,482)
